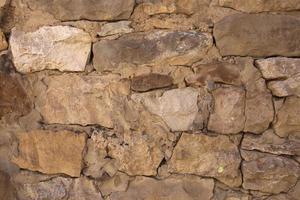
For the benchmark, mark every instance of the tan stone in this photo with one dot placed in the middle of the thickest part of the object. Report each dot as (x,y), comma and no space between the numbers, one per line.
(51,152)
(7,190)
(84,189)
(261,5)
(79,99)
(117,183)
(175,188)
(222,192)
(91,10)
(271,143)
(151,48)
(287,119)
(203,155)
(114,28)
(269,173)
(235,35)
(3,43)
(148,82)
(228,113)
(50,47)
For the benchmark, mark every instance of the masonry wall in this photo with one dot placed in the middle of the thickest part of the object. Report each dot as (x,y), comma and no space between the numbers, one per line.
(150,100)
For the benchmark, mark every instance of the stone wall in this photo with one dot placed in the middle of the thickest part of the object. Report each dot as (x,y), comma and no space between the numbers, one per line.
(150,100)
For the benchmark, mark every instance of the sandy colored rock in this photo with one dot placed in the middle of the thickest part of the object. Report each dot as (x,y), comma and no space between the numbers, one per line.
(117,183)
(92,10)
(50,47)
(84,189)
(271,143)
(148,82)
(79,99)
(151,48)
(286,71)
(228,114)
(3,43)
(269,173)
(261,5)
(247,35)
(204,155)
(113,28)
(51,152)
(287,119)
(13,97)
(176,188)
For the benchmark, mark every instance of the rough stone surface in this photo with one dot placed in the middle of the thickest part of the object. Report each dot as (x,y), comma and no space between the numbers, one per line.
(7,190)
(271,143)
(177,188)
(228,114)
(204,155)
(148,82)
(117,183)
(287,119)
(50,47)
(84,189)
(91,10)
(269,173)
(114,28)
(51,152)
(283,73)
(247,35)
(261,5)
(3,43)
(158,47)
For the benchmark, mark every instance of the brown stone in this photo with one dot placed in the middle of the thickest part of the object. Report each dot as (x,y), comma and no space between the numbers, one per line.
(84,189)
(51,152)
(269,173)
(3,43)
(287,119)
(255,6)
(65,10)
(248,35)
(7,190)
(203,155)
(176,188)
(13,98)
(152,48)
(223,192)
(271,143)
(148,82)
(118,183)
(228,113)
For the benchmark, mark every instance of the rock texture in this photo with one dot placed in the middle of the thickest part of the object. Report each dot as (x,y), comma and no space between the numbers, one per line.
(3,43)
(203,155)
(159,47)
(58,47)
(51,152)
(148,82)
(246,35)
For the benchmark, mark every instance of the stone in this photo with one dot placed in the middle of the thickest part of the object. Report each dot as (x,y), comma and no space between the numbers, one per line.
(114,28)
(151,48)
(50,47)
(13,97)
(93,10)
(117,183)
(225,193)
(51,152)
(256,6)
(269,173)
(287,119)
(82,99)
(177,188)
(177,107)
(283,73)
(84,189)
(148,82)
(235,35)
(228,113)
(7,190)
(207,156)
(271,143)
(3,43)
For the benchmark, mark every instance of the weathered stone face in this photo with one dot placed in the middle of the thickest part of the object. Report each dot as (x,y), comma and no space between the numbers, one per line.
(114,28)
(118,183)
(177,188)
(92,10)
(283,73)
(228,114)
(51,152)
(287,119)
(148,82)
(50,47)
(269,173)
(261,5)
(84,189)
(248,35)
(3,43)
(271,143)
(204,155)
(7,190)
(158,47)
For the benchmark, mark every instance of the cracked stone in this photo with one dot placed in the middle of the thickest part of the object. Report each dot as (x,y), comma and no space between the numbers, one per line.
(50,47)
(84,189)
(204,155)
